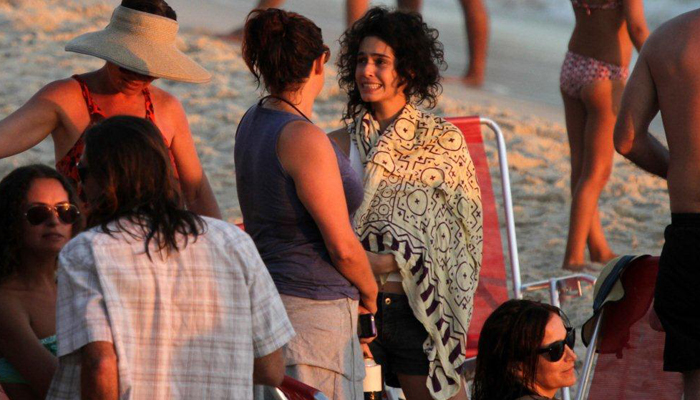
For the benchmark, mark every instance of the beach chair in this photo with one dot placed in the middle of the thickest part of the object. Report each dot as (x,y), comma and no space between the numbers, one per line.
(292,389)
(492,290)
(628,350)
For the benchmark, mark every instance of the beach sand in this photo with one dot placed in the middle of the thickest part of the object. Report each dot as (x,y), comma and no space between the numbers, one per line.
(634,206)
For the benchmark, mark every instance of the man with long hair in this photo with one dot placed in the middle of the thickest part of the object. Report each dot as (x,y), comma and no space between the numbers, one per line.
(154,301)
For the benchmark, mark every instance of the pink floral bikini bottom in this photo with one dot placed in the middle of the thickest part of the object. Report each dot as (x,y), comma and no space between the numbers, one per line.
(578,71)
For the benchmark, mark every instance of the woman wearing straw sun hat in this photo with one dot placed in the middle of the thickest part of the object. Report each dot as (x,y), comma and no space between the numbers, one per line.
(138,46)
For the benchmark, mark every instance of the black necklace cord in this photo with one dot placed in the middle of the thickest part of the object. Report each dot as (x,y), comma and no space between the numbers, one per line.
(272,96)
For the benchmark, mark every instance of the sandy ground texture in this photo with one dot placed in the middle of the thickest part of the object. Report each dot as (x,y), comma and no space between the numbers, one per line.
(634,206)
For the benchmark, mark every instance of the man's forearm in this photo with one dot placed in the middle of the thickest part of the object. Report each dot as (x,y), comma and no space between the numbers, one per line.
(99,373)
(99,383)
(650,155)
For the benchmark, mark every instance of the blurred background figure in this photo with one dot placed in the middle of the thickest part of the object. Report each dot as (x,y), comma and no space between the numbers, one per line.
(38,215)
(592,80)
(476,20)
(354,9)
(525,353)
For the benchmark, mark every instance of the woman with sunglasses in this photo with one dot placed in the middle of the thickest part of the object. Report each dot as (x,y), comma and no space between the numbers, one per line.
(525,352)
(139,46)
(38,214)
(297,192)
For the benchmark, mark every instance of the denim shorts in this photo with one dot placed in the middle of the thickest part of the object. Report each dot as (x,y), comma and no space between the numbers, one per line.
(400,337)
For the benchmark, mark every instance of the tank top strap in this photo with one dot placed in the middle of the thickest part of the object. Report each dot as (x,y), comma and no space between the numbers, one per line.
(150,111)
(93,109)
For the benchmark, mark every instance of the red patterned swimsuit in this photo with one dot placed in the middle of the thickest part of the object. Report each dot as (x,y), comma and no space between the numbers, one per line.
(67,165)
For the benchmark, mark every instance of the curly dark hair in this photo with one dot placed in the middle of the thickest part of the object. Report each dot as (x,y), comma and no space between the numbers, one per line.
(281,47)
(419,56)
(128,160)
(507,359)
(13,194)
(156,7)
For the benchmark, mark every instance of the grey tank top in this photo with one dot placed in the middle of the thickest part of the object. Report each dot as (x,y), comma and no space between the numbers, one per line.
(284,232)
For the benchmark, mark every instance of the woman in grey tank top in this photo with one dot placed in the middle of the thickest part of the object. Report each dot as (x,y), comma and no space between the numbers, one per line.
(297,191)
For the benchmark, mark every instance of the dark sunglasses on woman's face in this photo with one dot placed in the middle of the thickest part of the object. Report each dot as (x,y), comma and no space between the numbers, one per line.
(39,213)
(555,351)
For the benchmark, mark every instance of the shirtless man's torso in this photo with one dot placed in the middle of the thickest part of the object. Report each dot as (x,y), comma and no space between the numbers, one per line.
(667,79)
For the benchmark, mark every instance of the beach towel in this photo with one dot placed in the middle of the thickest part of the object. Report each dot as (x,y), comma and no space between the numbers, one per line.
(423,205)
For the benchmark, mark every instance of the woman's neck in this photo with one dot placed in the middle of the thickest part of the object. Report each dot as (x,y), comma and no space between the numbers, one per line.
(38,269)
(303,104)
(385,113)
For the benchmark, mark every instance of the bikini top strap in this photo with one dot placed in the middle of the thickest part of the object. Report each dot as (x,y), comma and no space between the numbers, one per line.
(150,111)
(93,108)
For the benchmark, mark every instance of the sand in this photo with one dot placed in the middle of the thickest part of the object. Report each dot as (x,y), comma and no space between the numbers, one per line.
(634,206)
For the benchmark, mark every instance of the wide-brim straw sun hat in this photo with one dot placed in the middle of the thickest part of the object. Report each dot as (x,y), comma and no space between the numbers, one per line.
(141,42)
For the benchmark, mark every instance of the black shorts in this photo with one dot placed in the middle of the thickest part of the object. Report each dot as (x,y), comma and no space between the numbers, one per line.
(400,337)
(677,297)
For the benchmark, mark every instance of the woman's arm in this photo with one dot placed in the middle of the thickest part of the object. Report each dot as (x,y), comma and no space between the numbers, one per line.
(20,346)
(31,123)
(636,22)
(307,155)
(198,194)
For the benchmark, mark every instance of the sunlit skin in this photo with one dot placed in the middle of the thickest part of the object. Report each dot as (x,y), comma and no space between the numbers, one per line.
(59,110)
(552,376)
(126,81)
(28,298)
(378,81)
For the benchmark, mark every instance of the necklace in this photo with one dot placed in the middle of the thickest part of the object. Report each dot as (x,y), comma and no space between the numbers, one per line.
(272,96)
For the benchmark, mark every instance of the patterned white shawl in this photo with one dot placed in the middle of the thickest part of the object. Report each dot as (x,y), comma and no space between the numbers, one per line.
(422,204)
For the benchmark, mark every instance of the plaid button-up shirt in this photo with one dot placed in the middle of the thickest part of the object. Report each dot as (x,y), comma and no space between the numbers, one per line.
(184,325)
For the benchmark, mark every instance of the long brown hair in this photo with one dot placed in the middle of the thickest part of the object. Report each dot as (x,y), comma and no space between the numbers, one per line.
(507,359)
(13,194)
(128,159)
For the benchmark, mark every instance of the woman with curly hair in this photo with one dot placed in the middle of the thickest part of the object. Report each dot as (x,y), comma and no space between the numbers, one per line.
(39,215)
(420,219)
(525,353)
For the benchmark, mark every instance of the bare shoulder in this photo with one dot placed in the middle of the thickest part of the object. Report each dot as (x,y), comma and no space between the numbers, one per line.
(12,309)
(165,100)
(63,90)
(302,133)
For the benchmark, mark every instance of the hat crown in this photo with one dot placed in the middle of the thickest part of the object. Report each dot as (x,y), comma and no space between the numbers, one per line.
(144,25)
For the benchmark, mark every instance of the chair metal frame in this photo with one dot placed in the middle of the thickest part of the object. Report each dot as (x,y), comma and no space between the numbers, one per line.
(553,284)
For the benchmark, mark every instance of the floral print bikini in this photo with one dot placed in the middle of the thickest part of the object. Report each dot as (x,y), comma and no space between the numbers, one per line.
(579,71)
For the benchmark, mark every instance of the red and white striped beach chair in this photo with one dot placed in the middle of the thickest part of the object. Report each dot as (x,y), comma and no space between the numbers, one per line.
(492,290)
(629,352)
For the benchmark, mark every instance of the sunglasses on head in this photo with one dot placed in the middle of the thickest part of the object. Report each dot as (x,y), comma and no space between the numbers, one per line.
(38,214)
(555,351)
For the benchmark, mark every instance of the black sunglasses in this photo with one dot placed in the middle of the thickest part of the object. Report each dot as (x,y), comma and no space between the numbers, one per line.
(83,171)
(66,212)
(555,351)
